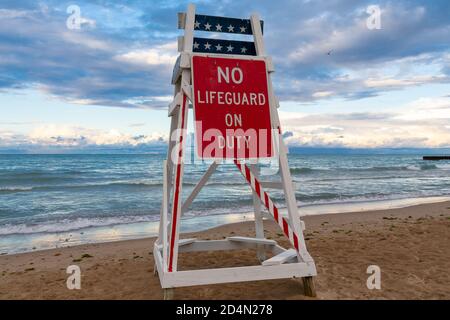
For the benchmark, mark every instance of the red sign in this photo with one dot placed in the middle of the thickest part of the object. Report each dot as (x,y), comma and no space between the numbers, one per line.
(231,108)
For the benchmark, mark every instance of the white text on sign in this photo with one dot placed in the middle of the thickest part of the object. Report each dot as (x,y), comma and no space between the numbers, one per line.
(231,98)
(231,108)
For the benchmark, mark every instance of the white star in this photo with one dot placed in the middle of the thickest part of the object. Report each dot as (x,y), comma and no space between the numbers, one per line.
(207,46)
(243,29)
(196,45)
(219,47)
(230,28)
(243,49)
(218,27)
(207,26)
(229,48)
(197,25)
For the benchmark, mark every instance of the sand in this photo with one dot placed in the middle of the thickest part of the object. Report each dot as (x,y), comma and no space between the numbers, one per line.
(410,245)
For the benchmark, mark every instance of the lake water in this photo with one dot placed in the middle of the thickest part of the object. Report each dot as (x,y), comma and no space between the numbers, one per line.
(50,200)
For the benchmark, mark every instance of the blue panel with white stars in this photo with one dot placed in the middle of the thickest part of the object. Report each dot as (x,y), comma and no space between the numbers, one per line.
(223,24)
(224,46)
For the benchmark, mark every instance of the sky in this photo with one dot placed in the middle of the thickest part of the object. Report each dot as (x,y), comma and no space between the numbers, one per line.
(342,79)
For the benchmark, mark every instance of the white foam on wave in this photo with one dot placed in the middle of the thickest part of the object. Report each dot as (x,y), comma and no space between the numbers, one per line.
(368,205)
(65,225)
(443,166)
(15,189)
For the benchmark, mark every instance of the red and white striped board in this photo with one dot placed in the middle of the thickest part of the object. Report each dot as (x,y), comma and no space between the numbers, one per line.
(176,208)
(268,203)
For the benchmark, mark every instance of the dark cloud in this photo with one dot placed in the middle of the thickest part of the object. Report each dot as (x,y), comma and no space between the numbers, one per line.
(287,134)
(38,50)
(318,46)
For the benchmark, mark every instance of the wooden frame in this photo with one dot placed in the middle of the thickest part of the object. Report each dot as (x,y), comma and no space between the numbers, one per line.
(286,263)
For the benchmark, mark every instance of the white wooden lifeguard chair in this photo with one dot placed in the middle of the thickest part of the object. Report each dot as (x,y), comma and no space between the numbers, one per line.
(285,263)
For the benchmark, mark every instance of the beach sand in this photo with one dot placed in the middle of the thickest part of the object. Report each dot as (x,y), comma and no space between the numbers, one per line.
(410,245)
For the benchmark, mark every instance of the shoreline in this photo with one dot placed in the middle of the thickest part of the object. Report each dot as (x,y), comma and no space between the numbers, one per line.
(33,242)
(409,244)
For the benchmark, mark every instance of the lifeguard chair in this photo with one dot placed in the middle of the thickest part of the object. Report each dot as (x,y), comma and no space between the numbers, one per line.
(189,76)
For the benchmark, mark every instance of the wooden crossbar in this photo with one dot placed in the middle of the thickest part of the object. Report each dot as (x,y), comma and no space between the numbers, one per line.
(280,258)
(198,187)
(253,240)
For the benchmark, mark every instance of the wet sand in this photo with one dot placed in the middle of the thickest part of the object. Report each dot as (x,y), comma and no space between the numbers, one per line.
(410,245)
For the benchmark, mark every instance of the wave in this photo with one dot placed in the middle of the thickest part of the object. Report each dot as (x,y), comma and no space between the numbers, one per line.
(73,224)
(39,173)
(349,169)
(14,189)
(304,170)
(225,183)
(418,167)
(327,196)
(373,198)
(66,225)
(443,166)
(349,178)
(203,208)
(112,183)
(130,184)
(125,184)
(423,167)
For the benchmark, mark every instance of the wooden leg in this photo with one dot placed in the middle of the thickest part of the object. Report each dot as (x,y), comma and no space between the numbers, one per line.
(309,287)
(259,226)
(169,293)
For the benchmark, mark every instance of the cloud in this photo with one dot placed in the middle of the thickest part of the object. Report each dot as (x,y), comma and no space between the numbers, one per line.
(322,94)
(421,123)
(71,136)
(77,136)
(401,83)
(123,54)
(12,14)
(332,50)
(77,39)
(160,55)
(87,66)
(436,109)
(140,124)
